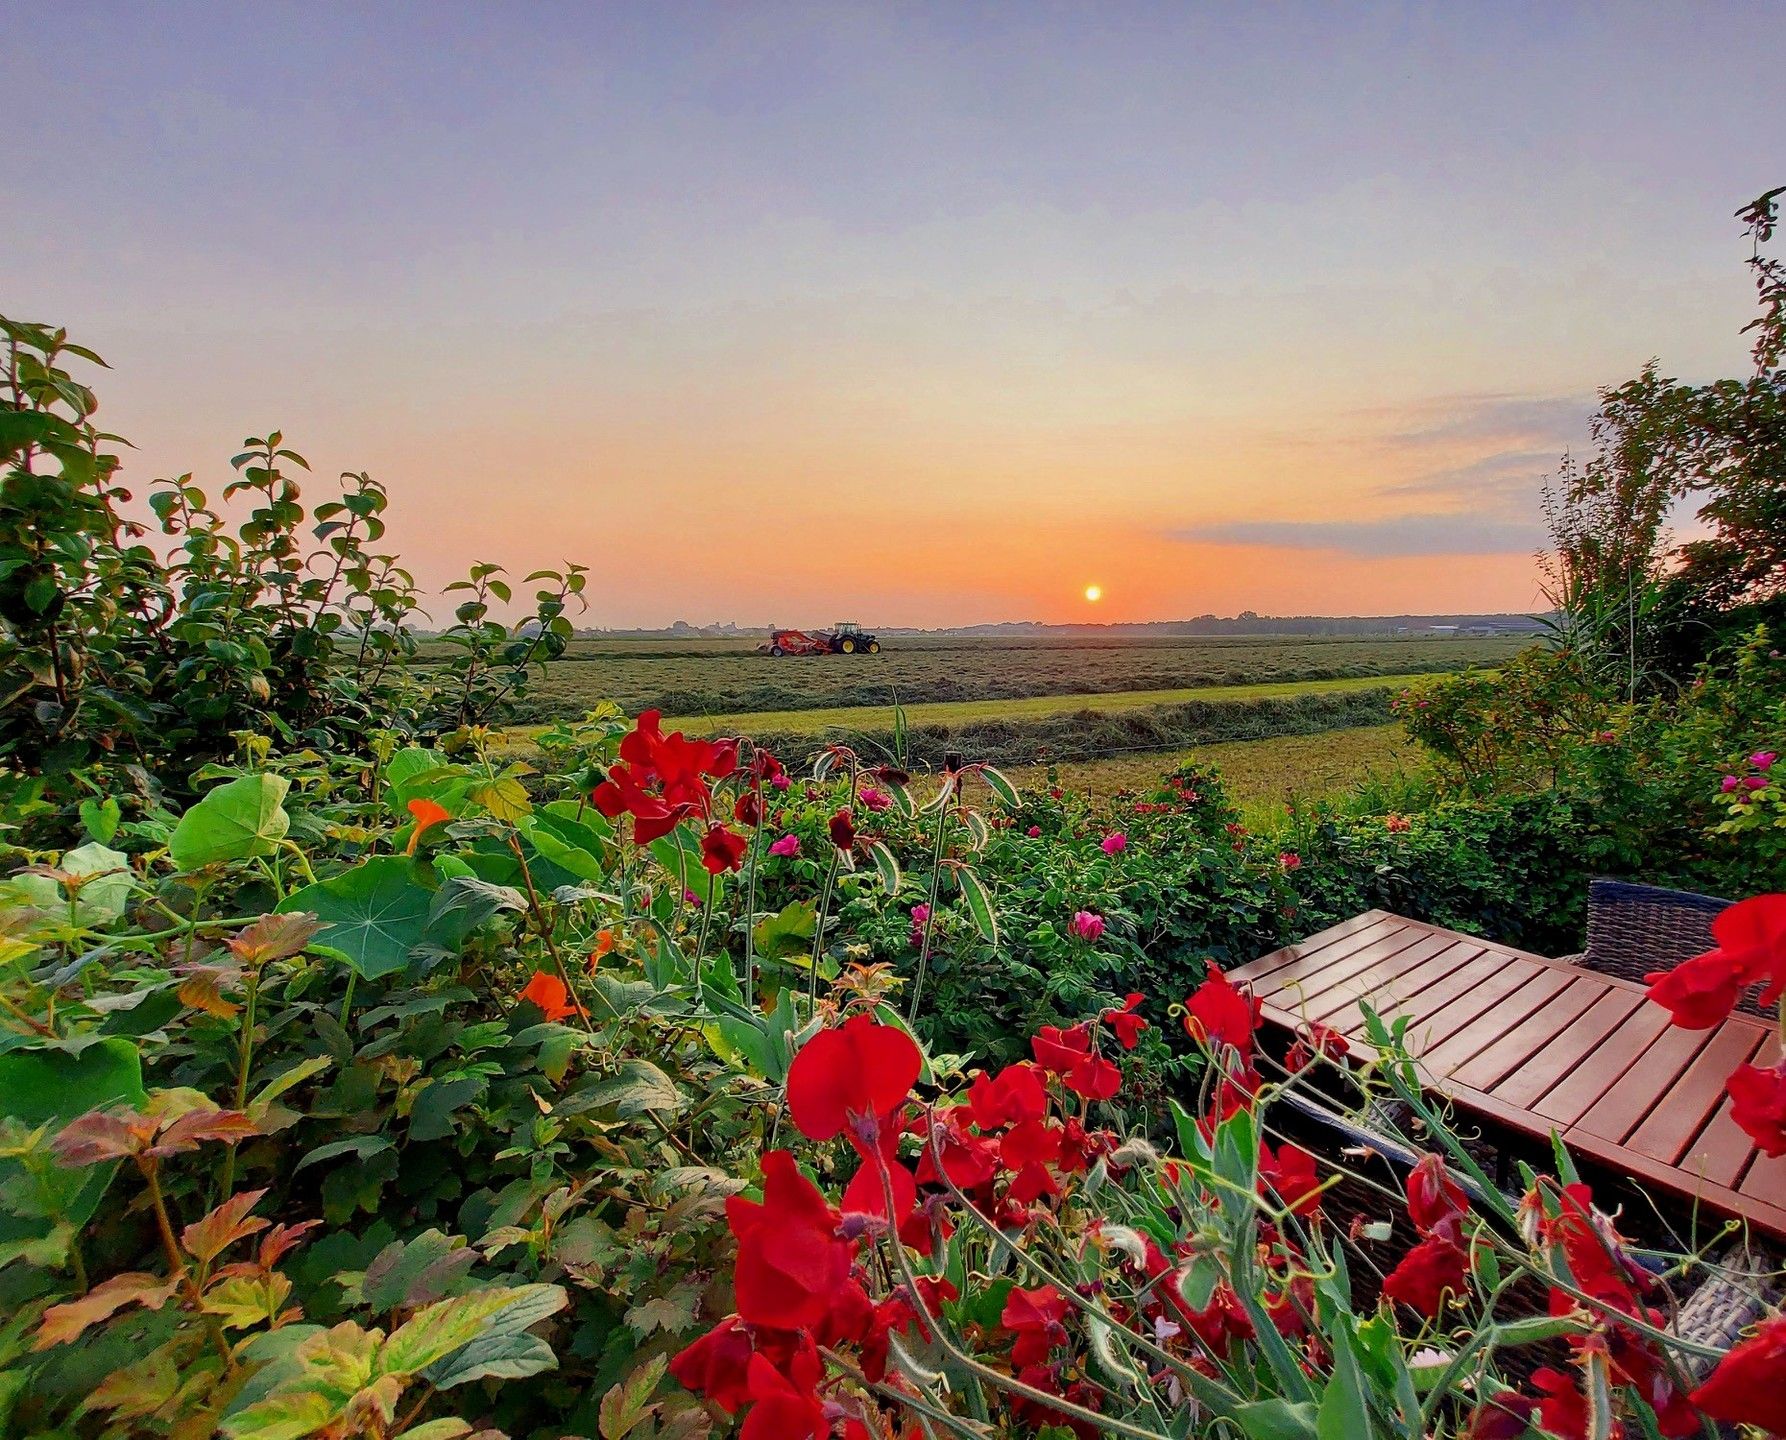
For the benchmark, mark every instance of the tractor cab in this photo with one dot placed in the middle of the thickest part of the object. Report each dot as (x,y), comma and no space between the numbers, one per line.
(849,638)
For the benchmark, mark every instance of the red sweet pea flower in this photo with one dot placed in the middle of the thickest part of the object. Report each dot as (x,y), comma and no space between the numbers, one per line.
(1058,1051)
(1015,1094)
(1126,1024)
(1030,1142)
(715,1365)
(1316,1040)
(1751,938)
(549,995)
(787,1407)
(1437,1264)
(721,850)
(1747,1387)
(968,1160)
(842,826)
(747,810)
(1218,1014)
(1594,1251)
(1758,1105)
(1433,1196)
(427,814)
(860,1069)
(792,1266)
(1095,1078)
(1291,1173)
(1034,1317)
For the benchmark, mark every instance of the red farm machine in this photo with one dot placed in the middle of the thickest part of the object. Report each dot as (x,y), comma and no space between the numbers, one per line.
(845,637)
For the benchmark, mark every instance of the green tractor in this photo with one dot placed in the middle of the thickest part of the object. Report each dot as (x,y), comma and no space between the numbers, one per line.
(849,638)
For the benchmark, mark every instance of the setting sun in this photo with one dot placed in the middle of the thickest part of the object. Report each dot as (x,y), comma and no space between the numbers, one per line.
(1094,593)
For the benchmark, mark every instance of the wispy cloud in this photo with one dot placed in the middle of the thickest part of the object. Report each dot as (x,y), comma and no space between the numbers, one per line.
(1463,533)
(1553,422)
(1504,480)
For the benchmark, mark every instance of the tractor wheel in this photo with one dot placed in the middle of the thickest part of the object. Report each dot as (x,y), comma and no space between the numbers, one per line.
(847,645)
(777,651)
(874,647)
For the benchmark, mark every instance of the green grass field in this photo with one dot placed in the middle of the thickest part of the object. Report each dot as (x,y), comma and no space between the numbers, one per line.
(1262,775)
(880,717)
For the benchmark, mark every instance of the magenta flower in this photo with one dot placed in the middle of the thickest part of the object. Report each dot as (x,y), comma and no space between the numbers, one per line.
(1763,759)
(1115,843)
(1035,832)
(1730,783)
(1756,782)
(1086,925)
(788,846)
(920,914)
(875,800)
(1290,860)
(780,780)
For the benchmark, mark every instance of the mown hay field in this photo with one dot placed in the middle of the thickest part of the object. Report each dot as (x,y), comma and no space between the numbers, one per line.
(714,678)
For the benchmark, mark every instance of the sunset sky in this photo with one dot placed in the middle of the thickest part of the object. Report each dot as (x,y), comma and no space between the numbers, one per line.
(914,314)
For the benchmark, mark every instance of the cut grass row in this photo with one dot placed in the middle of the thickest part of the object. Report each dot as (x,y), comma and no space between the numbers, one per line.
(859,718)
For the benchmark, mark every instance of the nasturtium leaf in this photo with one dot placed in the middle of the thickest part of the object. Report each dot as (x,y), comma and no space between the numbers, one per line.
(99,901)
(375,915)
(101,818)
(238,820)
(42,1087)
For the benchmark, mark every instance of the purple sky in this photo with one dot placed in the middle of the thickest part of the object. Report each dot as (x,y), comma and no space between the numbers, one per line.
(924,314)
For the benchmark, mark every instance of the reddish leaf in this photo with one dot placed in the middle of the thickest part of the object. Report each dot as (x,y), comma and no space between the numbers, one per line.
(208,1238)
(197,1126)
(273,937)
(100,1136)
(62,1323)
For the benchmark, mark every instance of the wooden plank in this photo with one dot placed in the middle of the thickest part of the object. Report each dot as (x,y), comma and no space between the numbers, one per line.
(1534,1075)
(1622,1107)
(1421,991)
(1365,946)
(1766,1179)
(1533,993)
(1434,1029)
(1491,1063)
(1358,974)
(1722,1151)
(1611,1063)
(1669,1129)
(1688,1190)
(1265,964)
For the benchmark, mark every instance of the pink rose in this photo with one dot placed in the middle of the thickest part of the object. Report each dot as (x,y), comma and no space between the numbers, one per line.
(1115,843)
(1086,925)
(875,800)
(788,846)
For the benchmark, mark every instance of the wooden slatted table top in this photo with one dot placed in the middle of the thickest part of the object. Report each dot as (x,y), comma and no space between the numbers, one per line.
(1542,1045)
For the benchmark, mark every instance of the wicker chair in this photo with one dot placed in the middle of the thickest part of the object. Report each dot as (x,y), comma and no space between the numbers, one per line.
(1636,930)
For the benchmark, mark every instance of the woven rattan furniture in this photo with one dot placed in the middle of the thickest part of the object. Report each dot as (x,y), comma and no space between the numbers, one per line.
(1636,930)
(1536,1046)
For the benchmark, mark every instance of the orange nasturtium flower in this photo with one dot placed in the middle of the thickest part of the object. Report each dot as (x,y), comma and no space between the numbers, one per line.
(549,995)
(427,814)
(604,942)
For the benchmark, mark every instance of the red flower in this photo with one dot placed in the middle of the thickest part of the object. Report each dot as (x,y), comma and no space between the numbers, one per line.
(1433,1196)
(1015,1094)
(1058,1051)
(1437,1264)
(1316,1039)
(1218,1014)
(866,1194)
(1291,1173)
(1125,1022)
(1758,1105)
(1095,1078)
(1562,1408)
(549,995)
(747,809)
(1595,1252)
(622,794)
(1751,938)
(968,1160)
(842,826)
(715,1365)
(1031,1142)
(721,850)
(792,1266)
(1749,1385)
(787,1406)
(1034,1317)
(860,1069)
